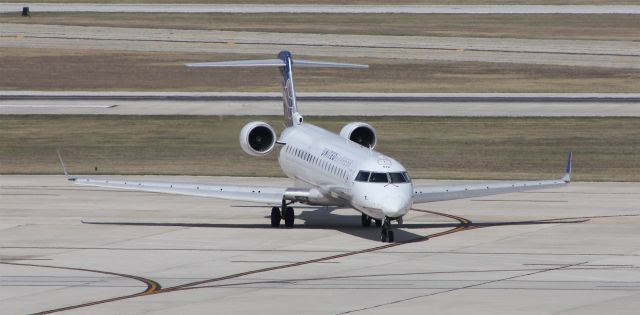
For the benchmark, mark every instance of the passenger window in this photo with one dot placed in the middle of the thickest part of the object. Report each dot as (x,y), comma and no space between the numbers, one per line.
(378,178)
(397,178)
(362,176)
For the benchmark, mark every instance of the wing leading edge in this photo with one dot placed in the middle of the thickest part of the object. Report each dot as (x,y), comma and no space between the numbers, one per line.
(260,194)
(423,194)
(267,195)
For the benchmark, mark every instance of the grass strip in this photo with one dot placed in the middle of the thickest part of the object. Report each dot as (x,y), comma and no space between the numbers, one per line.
(605,149)
(70,69)
(528,26)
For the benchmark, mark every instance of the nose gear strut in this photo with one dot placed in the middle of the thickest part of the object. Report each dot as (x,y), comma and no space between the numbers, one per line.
(387,232)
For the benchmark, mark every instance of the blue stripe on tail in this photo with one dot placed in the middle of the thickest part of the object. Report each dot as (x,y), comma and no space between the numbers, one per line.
(288,91)
(568,169)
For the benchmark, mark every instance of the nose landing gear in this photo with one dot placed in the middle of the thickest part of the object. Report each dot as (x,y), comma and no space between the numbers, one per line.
(387,233)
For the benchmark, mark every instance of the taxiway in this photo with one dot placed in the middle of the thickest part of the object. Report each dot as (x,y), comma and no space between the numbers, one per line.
(322,104)
(325,9)
(85,250)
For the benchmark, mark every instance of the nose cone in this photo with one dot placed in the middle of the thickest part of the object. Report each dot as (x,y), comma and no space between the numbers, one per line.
(396,205)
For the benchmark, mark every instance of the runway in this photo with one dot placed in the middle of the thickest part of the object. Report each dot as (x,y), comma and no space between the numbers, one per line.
(588,53)
(565,251)
(322,104)
(314,8)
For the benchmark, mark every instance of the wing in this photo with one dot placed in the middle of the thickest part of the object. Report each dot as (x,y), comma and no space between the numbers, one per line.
(267,195)
(423,194)
(258,194)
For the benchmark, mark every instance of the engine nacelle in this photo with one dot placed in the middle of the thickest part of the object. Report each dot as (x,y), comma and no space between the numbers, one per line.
(257,138)
(360,133)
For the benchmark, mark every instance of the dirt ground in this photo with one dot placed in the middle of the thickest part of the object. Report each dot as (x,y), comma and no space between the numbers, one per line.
(540,26)
(57,69)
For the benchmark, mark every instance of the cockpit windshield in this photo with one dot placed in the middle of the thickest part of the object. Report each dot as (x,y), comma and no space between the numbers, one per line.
(398,177)
(378,178)
(373,177)
(363,176)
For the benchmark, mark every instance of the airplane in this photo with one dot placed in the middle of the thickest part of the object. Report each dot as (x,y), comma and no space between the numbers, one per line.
(327,169)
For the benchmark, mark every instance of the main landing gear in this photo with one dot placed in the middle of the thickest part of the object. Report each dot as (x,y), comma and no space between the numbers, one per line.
(366,220)
(286,213)
(387,233)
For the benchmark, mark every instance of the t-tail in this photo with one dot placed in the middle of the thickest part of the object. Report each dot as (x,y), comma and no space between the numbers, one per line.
(285,63)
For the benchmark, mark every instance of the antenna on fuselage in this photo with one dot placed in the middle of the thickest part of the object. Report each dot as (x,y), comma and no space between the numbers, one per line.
(285,63)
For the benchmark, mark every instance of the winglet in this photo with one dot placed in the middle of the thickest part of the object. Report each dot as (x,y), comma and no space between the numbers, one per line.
(66,174)
(567,171)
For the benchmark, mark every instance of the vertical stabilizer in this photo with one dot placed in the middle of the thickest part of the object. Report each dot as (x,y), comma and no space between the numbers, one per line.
(289,104)
(285,63)
(567,170)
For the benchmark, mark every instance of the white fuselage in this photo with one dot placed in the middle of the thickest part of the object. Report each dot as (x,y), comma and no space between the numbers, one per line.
(329,164)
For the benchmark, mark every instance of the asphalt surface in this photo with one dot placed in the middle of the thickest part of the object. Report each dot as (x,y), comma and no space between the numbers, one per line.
(321,104)
(83,250)
(587,53)
(314,8)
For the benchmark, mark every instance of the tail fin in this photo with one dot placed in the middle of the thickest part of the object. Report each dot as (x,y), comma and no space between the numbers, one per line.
(285,63)
(567,171)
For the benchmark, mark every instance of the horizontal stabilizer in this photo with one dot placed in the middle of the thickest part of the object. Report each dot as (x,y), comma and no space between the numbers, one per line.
(322,64)
(285,63)
(276,63)
(240,63)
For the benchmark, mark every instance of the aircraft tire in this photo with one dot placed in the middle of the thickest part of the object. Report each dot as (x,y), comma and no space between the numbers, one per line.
(390,236)
(378,223)
(275,217)
(289,217)
(383,236)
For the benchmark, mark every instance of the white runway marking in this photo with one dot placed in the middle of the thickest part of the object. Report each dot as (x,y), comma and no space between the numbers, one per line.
(54,106)
(339,9)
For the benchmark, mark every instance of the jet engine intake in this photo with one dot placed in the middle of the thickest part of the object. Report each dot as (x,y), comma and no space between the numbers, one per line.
(360,133)
(257,138)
